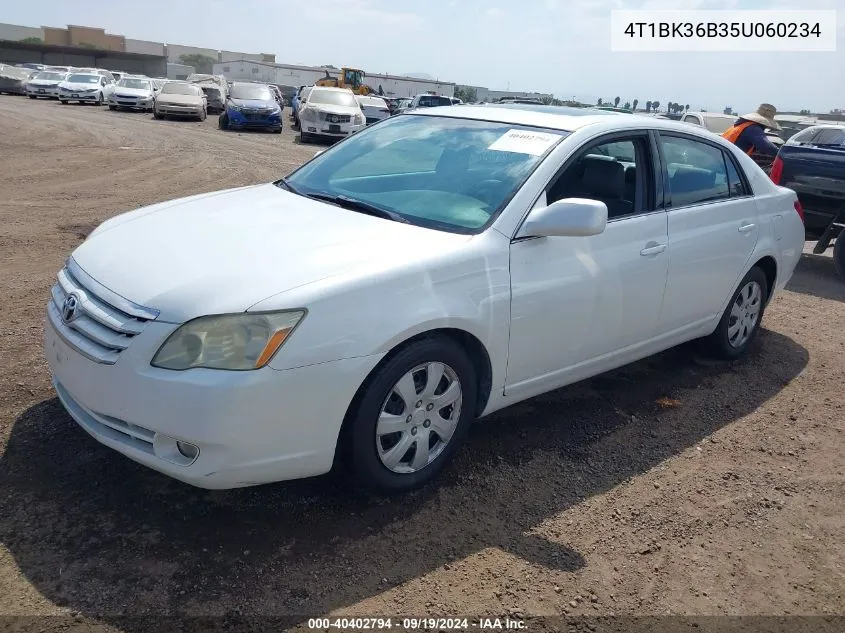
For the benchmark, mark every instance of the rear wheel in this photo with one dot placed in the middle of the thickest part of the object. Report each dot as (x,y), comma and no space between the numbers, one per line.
(839,254)
(411,416)
(741,320)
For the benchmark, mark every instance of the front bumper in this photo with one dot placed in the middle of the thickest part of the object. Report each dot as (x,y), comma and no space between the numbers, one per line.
(251,427)
(79,96)
(178,110)
(239,120)
(51,92)
(130,102)
(333,130)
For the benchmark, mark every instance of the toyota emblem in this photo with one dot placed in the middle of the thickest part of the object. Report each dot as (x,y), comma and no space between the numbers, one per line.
(69,308)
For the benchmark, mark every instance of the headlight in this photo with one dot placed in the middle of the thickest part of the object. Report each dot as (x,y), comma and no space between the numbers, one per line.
(358,119)
(233,341)
(235,107)
(308,114)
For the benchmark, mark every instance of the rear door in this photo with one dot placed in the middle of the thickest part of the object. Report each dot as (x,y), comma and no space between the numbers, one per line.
(713,229)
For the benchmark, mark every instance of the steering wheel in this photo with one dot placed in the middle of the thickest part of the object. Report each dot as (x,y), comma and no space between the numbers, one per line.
(481,189)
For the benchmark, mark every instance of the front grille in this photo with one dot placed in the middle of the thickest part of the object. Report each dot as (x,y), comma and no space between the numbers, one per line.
(103,324)
(335,118)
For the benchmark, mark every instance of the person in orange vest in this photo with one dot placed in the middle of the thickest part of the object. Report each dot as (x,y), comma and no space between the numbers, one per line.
(748,133)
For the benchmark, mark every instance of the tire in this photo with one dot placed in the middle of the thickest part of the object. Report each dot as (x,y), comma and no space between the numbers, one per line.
(223,122)
(366,443)
(99,101)
(839,254)
(279,131)
(738,326)
(304,138)
(203,116)
(157,115)
(111,107)
(31,96)
(63,102)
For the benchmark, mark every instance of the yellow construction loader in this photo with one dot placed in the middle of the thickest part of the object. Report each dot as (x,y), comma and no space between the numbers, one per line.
(351,78)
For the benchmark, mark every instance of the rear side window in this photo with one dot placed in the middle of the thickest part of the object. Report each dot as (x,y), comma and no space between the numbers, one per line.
(697,171)
(806,136)
(830,136)
(692,119)
(735,183)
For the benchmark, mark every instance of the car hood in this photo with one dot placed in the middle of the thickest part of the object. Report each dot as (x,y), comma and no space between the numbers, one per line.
(258,104)
(78,86)
(46,83)
(226,251)
(190,100)
(132,92)
(335,109)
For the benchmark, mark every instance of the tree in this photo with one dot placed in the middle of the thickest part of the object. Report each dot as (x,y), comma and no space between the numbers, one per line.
(467,94)
(627,105)
(636,101)
(599,101)
(202,63)
(655,105)
(616,102)
(648,105)
(686,107)
(32,40)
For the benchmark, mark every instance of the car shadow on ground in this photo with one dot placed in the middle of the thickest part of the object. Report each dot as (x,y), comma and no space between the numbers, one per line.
(99,534)
(816,275)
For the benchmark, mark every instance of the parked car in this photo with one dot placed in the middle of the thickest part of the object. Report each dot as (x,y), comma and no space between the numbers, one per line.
(251,106)
(301,96)
(329,113)
(401,105)
(181,99)
(812,163)
(31,66)
(13,79)
(429,101)
(133,93)
(277,95)
(215,88)
(84,88)
(429,270)
(158,82)
(375,109)
(45,84)
(718,123)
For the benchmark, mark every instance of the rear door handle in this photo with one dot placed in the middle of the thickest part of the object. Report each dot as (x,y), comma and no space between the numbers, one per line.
(653,249)
(746,228)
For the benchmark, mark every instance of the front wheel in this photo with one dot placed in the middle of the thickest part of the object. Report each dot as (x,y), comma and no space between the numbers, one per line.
(112,107)
(839,253)
(99,101)
(203,116)
(63,102)
(157,115)
(741,320)
(223,121)
(410,417)
(31,96)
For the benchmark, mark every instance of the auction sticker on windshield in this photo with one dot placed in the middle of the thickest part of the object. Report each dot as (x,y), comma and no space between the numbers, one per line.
(525,142)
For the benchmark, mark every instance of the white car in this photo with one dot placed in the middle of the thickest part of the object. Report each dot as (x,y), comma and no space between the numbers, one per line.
(133,93)
(85,88)
(429,270)
(45,84)
(179,98)
(374,108)
(329,113)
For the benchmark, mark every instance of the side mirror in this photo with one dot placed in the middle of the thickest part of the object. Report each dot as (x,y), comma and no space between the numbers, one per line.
(318,153)
(570,217)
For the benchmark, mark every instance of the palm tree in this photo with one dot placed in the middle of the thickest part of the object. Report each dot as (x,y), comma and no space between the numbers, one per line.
(616,101)
(636,101)
(648,106)
(627,105)
(599,101)
(686,107)
(655,105)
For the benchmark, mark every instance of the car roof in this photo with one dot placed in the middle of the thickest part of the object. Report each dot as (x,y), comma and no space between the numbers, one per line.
(562,118)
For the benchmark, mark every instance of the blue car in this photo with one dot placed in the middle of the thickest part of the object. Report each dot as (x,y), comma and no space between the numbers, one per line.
(251,106)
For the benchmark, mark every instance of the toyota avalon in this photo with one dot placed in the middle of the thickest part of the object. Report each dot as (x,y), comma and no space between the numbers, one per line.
(361,312)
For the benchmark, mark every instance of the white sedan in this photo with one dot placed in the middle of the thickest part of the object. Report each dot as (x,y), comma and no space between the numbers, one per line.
(425,272)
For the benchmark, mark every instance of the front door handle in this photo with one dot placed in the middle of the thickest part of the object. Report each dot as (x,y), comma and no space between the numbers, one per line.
(746,228)
(653,249)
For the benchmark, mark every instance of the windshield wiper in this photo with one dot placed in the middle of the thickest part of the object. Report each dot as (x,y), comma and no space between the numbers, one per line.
(284,182)
(360,206)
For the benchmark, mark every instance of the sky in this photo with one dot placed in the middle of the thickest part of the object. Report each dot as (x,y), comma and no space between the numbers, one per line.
(551,46)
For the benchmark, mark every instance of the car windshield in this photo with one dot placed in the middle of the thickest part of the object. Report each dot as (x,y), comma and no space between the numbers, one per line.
(84,79)
(332,97)
(257,92)
(179,89)
(438,172)
(373,102)
(50,76)
(137,84)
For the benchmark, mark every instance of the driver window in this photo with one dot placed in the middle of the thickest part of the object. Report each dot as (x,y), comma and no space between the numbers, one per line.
(609,173)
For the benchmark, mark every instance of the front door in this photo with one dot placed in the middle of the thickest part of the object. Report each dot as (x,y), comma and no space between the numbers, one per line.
(580,301)
(713,229)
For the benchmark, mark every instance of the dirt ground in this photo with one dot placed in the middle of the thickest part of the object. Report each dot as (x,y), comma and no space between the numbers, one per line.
(673,486)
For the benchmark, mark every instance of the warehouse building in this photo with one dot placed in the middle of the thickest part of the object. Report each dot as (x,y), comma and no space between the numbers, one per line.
(293,76)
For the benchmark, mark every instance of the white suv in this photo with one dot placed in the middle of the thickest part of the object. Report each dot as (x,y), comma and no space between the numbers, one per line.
(330,112)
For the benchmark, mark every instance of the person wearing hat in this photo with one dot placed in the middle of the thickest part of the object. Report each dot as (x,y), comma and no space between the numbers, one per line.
(749,131)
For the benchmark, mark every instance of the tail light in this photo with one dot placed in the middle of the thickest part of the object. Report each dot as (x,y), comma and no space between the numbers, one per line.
(799,209)
(777,170)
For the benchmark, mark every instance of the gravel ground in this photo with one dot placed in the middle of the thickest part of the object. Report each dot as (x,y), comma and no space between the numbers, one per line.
(675,485)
